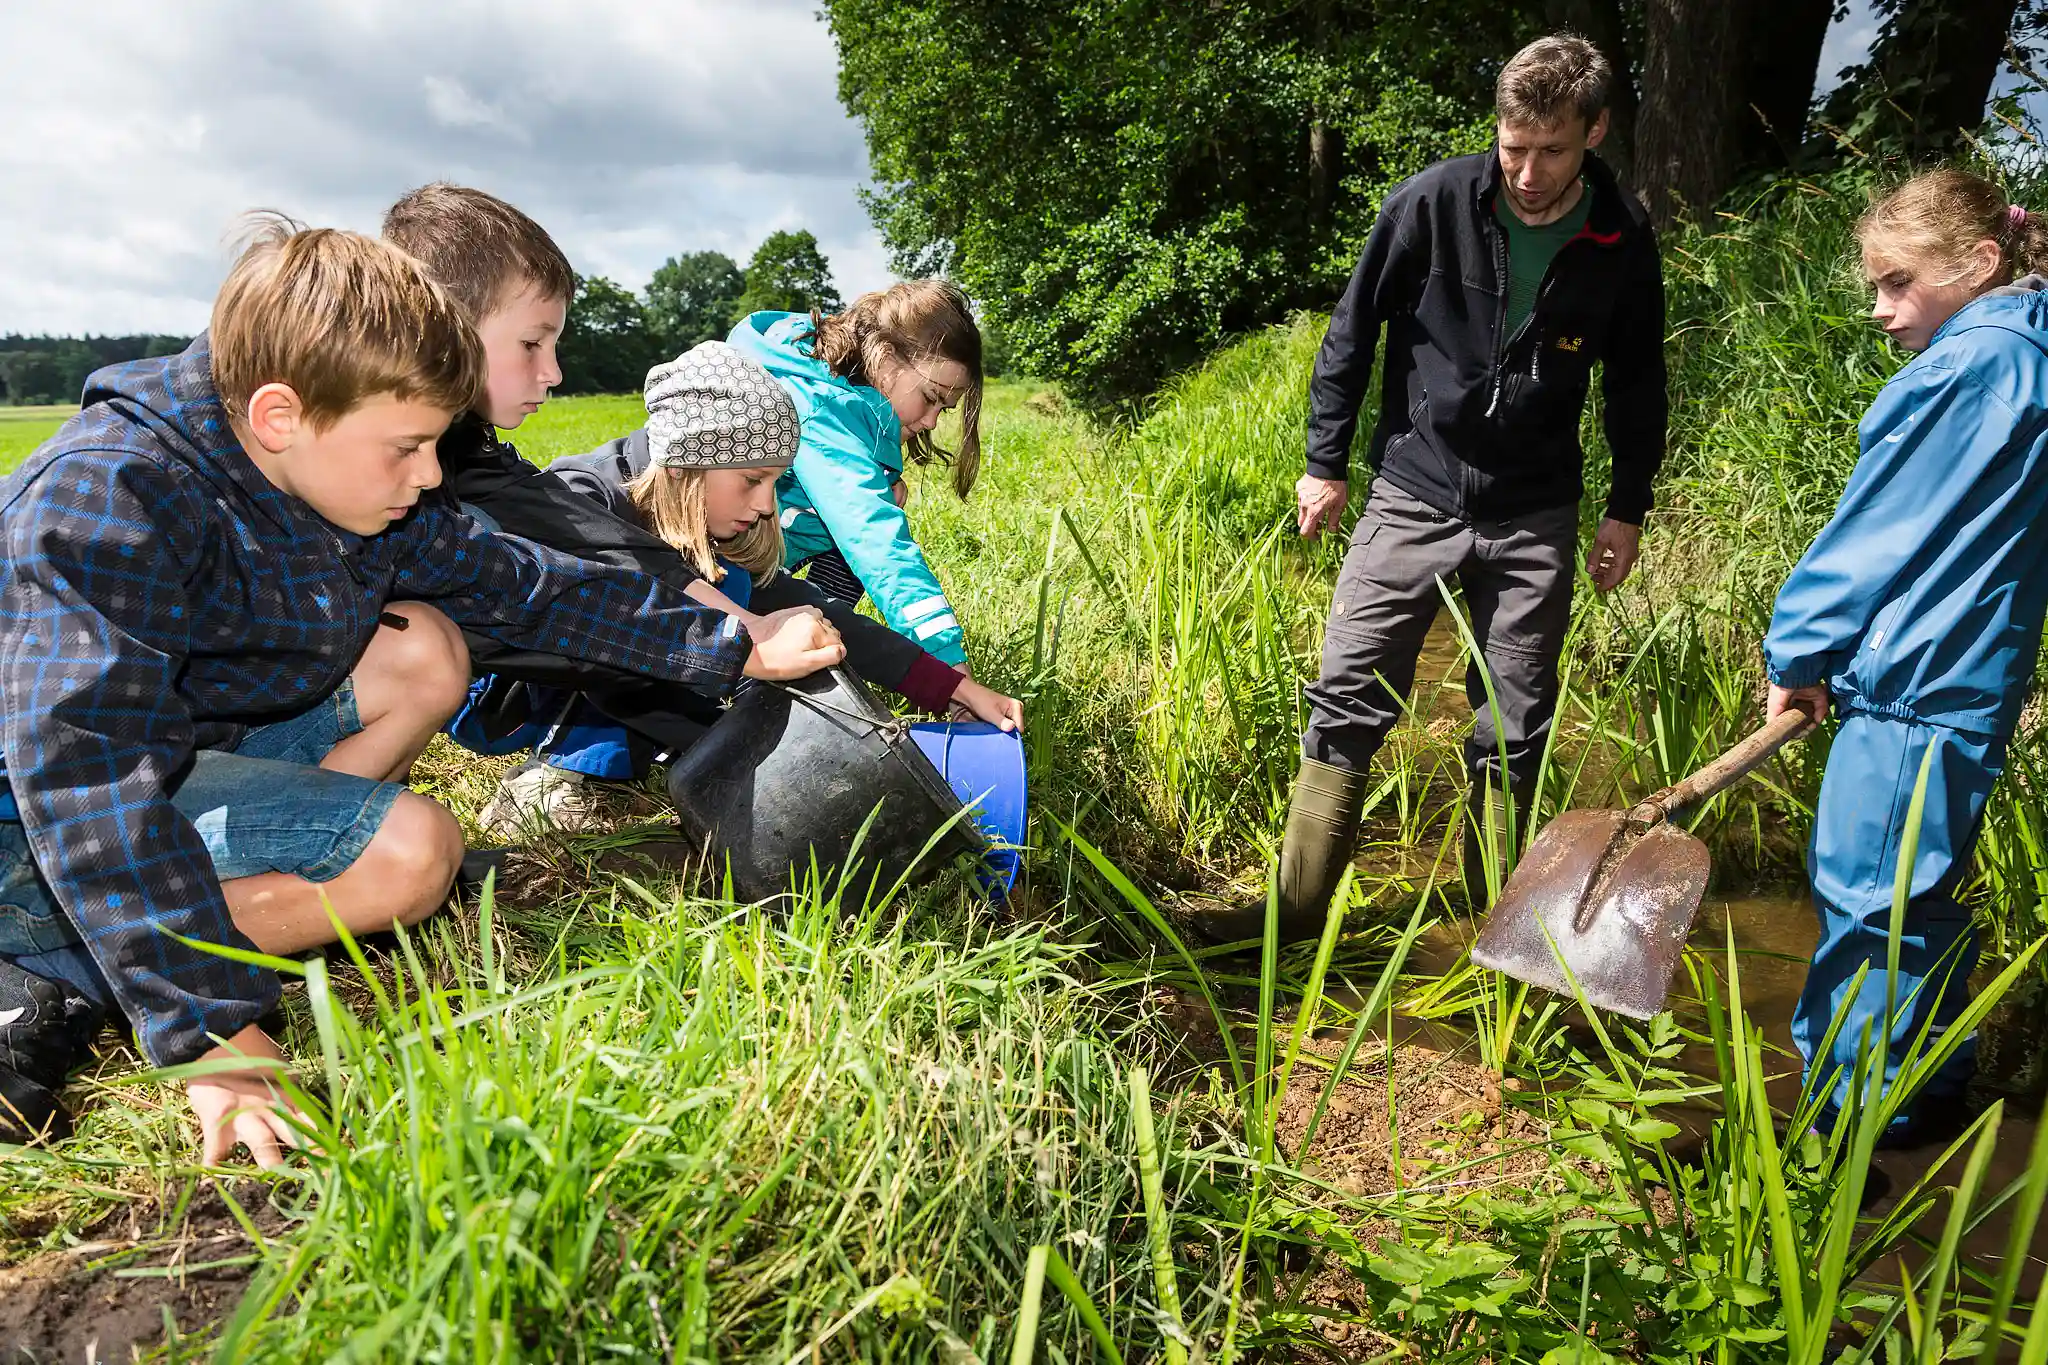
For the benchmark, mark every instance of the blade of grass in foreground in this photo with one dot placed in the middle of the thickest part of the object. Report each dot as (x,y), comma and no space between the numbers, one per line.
(1157,1234)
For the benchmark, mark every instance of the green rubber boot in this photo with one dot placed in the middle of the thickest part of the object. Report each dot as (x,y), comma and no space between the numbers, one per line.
(1488,854)
(1321,836)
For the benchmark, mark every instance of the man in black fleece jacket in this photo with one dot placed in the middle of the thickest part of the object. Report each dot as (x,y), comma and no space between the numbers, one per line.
(1500,279)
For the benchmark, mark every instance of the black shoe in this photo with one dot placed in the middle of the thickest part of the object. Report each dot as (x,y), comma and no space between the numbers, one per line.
(29,1113)
(46,1029)
(477,863)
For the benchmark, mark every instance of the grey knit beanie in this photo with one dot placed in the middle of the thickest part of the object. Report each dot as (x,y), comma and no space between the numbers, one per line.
(712,408)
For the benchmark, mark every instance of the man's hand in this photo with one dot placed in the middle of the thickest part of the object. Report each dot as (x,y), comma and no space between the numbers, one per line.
(972,701)
(245,1106)
(1812,700)
(1319,504)
(1616,546)
(793,643)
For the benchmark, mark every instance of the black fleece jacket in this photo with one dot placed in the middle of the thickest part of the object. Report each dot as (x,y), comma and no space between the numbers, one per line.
(1475,422)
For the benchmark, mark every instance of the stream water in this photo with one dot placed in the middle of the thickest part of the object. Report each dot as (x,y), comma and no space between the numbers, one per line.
(1774,936)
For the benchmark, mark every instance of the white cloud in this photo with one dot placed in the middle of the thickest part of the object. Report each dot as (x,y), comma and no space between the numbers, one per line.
(455,107)
(632,131)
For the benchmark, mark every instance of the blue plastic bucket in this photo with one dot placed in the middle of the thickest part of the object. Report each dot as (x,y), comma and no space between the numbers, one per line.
(984,765)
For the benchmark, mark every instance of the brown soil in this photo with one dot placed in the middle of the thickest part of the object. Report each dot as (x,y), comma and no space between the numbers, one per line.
(1445,1113)
(1449,1117)
(89,1303)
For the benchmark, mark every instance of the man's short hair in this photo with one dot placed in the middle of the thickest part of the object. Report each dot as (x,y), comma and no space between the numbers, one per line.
(341,318)
(481,249)
(1552,78)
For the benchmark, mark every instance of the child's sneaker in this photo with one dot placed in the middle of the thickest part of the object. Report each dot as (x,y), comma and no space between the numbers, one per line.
(534,798)
(46,1029)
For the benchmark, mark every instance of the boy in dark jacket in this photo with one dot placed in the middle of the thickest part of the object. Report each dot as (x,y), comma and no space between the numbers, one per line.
(228,624)
(1500,279)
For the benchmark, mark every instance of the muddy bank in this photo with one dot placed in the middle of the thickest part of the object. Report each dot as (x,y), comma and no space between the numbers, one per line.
(106,1298)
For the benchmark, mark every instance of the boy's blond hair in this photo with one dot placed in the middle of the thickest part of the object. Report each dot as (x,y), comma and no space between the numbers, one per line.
(1552,79)
(341,318)
(672,500)
(482,250)
(1932,223)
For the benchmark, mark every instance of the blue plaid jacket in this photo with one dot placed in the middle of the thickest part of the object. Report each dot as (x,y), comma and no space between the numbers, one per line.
(158,595)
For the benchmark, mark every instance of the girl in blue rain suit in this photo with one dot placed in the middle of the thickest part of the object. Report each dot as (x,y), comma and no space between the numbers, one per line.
(1918,613)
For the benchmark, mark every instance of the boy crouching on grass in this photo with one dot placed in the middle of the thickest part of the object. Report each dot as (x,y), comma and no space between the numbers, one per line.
(218,662)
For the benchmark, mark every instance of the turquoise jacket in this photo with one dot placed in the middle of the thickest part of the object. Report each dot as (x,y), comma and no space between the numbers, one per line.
(1923,599)
(837,494)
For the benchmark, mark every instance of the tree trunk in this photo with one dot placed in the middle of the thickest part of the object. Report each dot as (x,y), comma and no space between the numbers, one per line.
(1687,131)
(1930,75)
(1600,23)
(1780,63)
(1325,146)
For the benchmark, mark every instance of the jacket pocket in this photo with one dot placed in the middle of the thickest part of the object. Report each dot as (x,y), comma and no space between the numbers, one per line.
(1866,666)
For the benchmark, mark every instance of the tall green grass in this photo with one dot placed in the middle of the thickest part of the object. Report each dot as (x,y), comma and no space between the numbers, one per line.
(630,1120)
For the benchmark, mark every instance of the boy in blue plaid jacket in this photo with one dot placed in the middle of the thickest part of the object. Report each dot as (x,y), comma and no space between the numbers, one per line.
(228,625)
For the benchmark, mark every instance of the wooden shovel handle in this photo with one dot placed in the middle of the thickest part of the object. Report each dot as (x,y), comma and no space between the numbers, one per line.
(1724,771)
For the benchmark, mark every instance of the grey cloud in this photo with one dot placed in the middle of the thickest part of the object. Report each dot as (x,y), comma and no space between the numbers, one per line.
(632,131)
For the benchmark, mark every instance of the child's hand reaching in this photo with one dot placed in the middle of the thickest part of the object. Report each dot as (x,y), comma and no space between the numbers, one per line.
(793,643)
(245,1106)
(982,703)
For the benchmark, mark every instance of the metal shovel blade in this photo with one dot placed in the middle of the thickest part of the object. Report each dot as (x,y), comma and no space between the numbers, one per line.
(1611,906)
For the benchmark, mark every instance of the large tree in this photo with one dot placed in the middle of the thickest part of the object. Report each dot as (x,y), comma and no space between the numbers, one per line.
(1688,144)
(607,347)
(788,274)
(691,299)
(1930,73)
(1123,183)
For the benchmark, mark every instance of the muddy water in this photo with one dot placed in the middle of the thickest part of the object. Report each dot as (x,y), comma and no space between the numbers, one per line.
(1774,937)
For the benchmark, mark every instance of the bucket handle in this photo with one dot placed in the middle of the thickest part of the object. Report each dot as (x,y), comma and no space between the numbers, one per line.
(891,730)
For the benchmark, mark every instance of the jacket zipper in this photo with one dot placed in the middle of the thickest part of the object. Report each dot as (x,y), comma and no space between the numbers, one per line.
(1500,315)
(1535,309)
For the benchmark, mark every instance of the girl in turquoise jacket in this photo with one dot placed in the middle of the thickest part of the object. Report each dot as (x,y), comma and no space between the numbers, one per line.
(1917,612)
(870,384)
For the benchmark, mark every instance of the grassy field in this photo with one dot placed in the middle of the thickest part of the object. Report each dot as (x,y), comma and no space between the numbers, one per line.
(608,1115)
(23,429)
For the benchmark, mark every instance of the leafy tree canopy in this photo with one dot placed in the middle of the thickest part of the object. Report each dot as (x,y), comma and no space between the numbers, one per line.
(1122,185)
(692,298)
(607,346)
(788,275)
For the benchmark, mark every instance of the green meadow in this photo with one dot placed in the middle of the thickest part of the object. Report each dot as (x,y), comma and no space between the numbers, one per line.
(23,429)
(608,1114)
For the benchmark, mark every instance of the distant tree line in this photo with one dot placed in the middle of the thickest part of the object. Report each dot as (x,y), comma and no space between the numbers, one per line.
(614,336)
(44,369)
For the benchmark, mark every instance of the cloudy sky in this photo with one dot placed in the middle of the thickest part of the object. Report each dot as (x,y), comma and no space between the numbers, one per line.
(632,129)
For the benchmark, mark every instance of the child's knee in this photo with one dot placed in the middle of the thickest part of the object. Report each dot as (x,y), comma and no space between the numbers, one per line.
(428,657)
(418,849)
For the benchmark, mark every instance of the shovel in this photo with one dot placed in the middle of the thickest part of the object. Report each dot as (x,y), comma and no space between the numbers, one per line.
(1611,895)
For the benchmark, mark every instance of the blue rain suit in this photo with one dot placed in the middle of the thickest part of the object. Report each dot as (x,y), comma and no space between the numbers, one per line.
(1921,605)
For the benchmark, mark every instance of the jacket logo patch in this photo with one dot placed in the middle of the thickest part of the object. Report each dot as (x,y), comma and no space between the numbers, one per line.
(1572,344)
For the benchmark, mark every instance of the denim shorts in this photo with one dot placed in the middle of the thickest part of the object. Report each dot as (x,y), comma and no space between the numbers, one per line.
(265,806)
